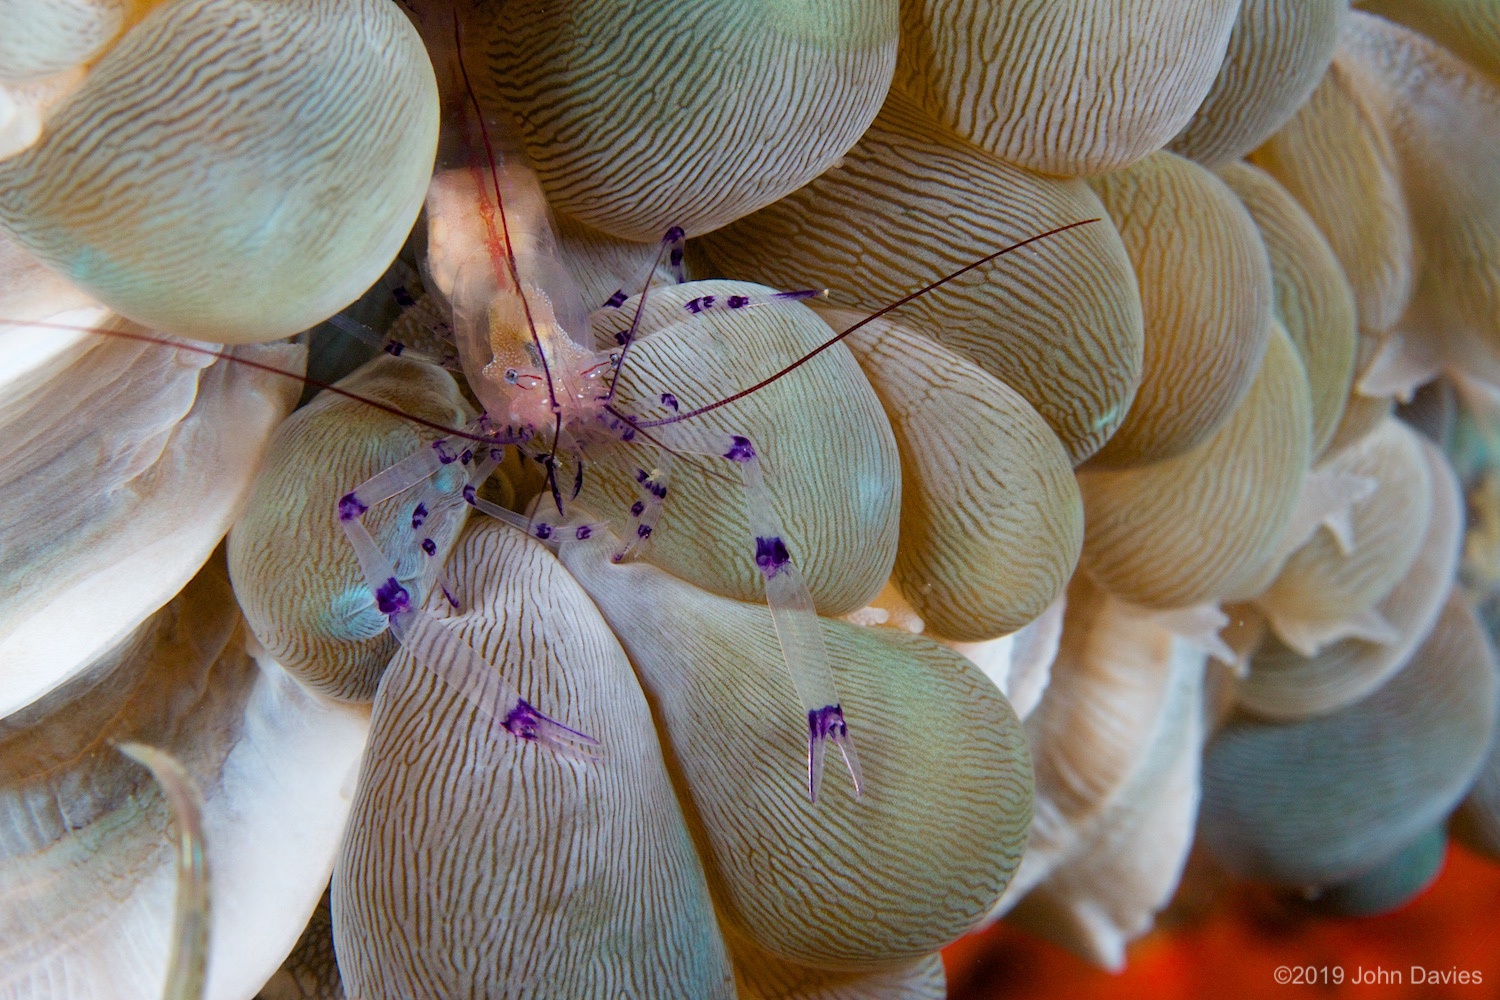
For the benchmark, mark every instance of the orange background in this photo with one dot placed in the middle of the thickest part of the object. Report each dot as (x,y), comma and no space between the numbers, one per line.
(1223,940)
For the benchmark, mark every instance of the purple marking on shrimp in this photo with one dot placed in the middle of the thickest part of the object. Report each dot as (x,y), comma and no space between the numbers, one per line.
(543,530)
(616,300)
(643,531)
(392,598)
(418,516)
(444,455)
(583,532)
(825,722)
(771,556)
(469,495)
(402,296)
(641,475)
(738,301)
(636,508)
(674,234)
(429,546)
(676,257)
(628,435)
(394,348)
(350,507)
(450,598)
(466,457)
(701,304)
(740,449)
(523,721)
(670,401)
(620,338)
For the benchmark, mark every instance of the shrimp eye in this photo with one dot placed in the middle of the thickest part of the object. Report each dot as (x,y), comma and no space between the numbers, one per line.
(511,376)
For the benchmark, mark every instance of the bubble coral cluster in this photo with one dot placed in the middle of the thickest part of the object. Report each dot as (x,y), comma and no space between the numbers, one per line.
(1117,543)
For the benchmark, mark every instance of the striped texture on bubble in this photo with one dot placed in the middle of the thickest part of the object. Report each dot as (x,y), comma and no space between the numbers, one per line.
(478,865)
(1059,322)
(688,114)
(759,976)
(1336,158)
(1277,54)
(294,571)
(1207,324)
(1066,87)
(843,883)
(1186,530)
(991,518)
(234,170)
(828,454)
(1312,297)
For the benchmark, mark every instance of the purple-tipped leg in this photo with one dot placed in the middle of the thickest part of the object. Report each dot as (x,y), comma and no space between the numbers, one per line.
(441,650)
(827,725)
(525,723)
(793,614)
(433,644)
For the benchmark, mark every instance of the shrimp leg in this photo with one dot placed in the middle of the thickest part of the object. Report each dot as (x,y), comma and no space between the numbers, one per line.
(671,251)
(646,511)
(433,644)
(793,614)
(548,530)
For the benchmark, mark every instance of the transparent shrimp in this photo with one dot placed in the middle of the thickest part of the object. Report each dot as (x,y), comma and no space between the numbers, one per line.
(524,339)
(525,343)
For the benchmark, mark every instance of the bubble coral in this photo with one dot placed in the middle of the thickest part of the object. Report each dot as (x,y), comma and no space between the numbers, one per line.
(1222,347)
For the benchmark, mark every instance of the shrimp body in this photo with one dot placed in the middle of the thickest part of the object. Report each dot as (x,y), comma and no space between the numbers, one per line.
(528,347)
(547,375)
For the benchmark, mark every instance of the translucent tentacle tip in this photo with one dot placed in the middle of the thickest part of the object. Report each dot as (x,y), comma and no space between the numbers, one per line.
(825,725)
(524,722)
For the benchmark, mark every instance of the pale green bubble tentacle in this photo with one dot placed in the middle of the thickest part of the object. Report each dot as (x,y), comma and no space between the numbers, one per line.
(688,114)
(268,179)
(480,865)
(939,746)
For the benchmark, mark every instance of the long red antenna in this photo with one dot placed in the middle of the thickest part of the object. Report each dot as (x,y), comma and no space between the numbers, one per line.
(676,418)
(146,338)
